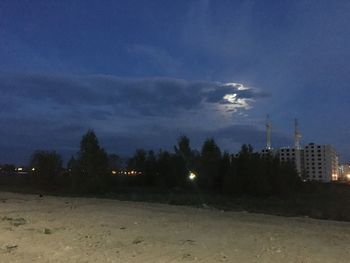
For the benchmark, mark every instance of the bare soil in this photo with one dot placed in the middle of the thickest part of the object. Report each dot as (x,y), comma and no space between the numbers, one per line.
(62,229)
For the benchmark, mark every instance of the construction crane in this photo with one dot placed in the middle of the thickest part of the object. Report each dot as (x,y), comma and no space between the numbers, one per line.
(268,133)
(297,135)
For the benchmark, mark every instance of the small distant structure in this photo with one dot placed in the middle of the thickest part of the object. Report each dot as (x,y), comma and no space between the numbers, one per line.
(268,148)
(299,152)
(268,132)
(297,135)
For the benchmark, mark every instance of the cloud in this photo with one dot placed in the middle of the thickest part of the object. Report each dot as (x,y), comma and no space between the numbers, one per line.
(106,94)
(234,96)
(54,110)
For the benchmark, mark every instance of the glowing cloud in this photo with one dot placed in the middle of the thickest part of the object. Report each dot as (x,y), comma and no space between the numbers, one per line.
(238,86)
(232,97)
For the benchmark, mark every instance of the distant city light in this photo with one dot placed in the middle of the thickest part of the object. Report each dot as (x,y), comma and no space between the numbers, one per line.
(129,173)
(33,169)
(19,169)
(192,176)
(114,172)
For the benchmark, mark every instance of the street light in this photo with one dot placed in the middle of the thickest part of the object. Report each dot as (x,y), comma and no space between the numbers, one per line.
(192,176)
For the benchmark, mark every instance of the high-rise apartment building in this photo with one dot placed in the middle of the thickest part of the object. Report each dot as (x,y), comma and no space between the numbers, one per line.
(314,162)
(293,155)
(320,163)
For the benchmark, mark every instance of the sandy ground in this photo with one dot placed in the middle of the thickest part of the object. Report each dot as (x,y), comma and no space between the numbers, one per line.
(55,229)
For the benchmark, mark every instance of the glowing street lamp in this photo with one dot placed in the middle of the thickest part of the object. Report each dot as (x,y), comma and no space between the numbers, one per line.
(192,176)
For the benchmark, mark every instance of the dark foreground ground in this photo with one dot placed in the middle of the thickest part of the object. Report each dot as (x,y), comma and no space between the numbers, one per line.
(66,229)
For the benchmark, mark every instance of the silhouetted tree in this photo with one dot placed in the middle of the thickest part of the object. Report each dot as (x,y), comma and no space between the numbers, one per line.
(138,161)
(210,162)
(165,169)
(184,150)
(222,180)
(285,179)
(146,163)
(71,163)
(165,178)
(90,170)
(151,169)
(184,160)
(259,175)
(114,162)
(243,169)
(230,180)
(47,166)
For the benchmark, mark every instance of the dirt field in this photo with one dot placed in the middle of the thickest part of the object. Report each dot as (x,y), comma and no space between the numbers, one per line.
(54,229)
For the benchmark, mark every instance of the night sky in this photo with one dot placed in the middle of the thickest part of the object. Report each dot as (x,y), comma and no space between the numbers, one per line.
(142,73)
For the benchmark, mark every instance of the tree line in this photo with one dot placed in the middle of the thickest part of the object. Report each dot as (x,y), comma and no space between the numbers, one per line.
(90,170)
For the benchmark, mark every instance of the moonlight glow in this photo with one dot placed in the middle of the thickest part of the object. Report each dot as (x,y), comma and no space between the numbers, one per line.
(232,102)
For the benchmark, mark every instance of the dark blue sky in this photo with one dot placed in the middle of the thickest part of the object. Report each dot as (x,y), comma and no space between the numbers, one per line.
(141,73)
